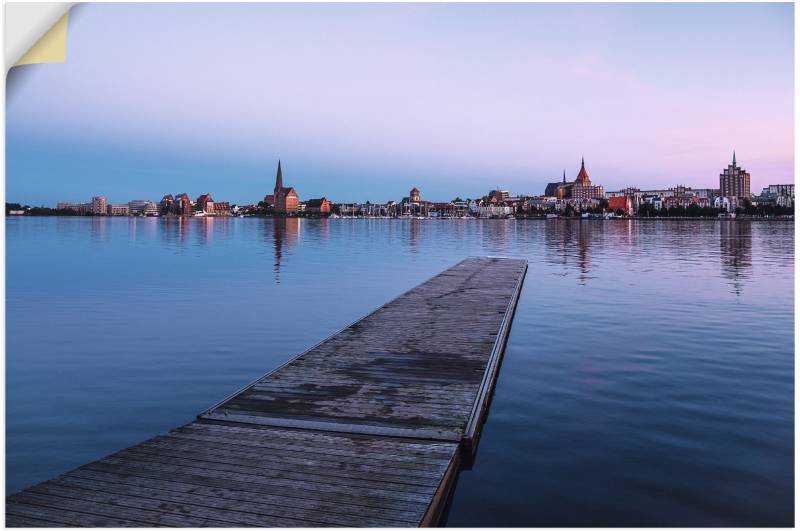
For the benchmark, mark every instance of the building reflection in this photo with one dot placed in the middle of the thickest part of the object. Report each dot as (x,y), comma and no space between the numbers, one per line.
(97,228)
(495,235)
(324,228)
(569,243)
(736,252)
(285,233)
(414,228)
(174,229)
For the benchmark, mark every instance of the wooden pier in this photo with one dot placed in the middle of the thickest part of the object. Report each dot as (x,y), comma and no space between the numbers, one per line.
(366,429)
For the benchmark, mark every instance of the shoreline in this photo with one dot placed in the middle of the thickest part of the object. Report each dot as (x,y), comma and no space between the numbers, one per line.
(470,218)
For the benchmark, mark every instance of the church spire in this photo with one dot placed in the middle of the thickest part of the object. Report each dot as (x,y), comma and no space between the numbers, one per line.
(583,175)
(734,157)
(278,179)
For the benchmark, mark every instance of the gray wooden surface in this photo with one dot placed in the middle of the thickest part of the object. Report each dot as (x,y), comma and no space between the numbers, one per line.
(365,429)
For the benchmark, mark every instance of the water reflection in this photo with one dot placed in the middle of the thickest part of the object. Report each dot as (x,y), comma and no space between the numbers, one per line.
(174,229)
(97,229)
(569,243)
(285,233)
(604,387)
(736,252)
(576,246)
(414,228)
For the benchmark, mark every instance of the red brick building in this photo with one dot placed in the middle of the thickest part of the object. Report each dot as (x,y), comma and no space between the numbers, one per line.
(203,201)
(622,203)
(183,205)
(318,207)
(583,187)
(285,199)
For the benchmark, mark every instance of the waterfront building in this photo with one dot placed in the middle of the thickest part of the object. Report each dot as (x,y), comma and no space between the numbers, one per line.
(167,204)
(656,201)
(99,205)
(206,204)
(498,196)
(778,194)
(351,209)
(727,203)
(284,199)
(219,208)
(629,191)
(142,207)
(684,200)
(80,208)
(317,207)
(442,210)
(202,202)
(734,181)
(489,210)
(638,194)
(538,205)
(781,190)
(183,205)
(559,190)
(414,205)
(118,210)
(460,207)
(583,187)
(623,204)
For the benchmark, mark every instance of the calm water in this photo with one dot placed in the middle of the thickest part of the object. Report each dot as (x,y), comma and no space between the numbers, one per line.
(648,378)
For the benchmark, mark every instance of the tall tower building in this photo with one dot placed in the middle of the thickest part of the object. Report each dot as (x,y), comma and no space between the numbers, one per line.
(286,200)
(583,175)
(278,180)
(734,181)
(583,188)
(99,205)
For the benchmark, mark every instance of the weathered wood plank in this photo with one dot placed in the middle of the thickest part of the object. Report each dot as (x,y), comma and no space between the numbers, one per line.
(339,506)
(300,490)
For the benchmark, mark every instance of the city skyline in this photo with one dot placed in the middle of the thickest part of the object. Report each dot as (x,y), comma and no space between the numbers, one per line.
(581,175)
(482,96)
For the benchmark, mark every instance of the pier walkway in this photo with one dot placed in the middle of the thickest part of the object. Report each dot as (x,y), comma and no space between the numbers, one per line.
(366,429)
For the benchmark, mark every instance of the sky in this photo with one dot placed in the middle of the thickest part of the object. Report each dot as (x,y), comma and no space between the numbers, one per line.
(363,101)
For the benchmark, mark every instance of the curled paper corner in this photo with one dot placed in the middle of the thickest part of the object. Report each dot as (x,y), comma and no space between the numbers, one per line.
(51,47)
(36,33)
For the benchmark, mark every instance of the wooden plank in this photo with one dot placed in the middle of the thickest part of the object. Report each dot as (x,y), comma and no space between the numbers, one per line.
(17,512)
(285,460)
(162,508)
(284,500)
(299,490)
(365,429)
(234,464)
(321,425)
(12,520)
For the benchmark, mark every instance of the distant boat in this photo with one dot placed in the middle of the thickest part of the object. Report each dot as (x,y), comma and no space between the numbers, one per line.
(552,216)
(199,215)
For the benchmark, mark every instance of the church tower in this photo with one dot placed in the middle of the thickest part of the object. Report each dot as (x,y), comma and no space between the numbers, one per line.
(278,180)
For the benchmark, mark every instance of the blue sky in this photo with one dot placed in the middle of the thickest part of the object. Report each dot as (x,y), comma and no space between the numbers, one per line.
(362,102)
